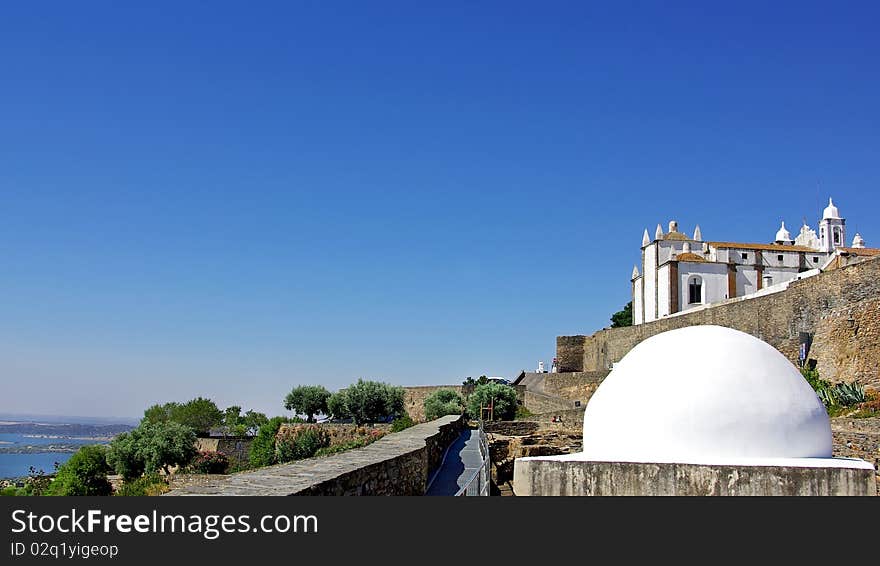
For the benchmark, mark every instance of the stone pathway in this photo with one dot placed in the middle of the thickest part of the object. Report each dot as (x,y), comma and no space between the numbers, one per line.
(462,460)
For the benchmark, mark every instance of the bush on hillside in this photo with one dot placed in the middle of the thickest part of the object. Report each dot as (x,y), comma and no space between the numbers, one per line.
(209,462)
(367,402)
(151,447)
(263,447)
(441,403)
(85,473)
(501,397)
(148,485)
(402,423)
(300,441)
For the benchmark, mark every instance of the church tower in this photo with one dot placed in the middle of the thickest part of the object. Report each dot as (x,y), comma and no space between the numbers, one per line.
(832,229)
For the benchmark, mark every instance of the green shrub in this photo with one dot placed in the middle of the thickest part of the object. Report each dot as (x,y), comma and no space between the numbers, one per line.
(11,491)
(336,405)
(367,402)
(522,412)
(837,396)
(37,482)
(441,403)
(199,414)
(402,423)
(148,485)
(299,442)
(209,462)
(501,397)
(85,473)
(151,447)
(307,400)
(263,447)
(123,456)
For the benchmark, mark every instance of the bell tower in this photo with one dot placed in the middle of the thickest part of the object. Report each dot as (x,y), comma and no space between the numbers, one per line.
(832,229)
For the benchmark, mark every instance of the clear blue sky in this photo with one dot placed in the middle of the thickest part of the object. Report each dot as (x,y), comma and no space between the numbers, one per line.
(229,199)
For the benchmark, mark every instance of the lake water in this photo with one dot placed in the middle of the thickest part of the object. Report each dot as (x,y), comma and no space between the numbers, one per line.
(16,465)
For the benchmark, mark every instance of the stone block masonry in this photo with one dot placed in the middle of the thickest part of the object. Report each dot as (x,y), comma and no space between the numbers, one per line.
(414,399)
(549,476)
(236,449)
(839,308)
(398,464)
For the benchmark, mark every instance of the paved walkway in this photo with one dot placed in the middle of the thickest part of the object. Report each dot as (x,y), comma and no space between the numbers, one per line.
(462,460)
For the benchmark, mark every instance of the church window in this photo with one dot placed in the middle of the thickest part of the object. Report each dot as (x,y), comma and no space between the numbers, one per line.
(780,257)
(745,256)
(815,259)
(837,236)
(695,291)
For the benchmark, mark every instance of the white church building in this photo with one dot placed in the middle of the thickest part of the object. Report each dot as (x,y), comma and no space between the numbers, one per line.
(679,273)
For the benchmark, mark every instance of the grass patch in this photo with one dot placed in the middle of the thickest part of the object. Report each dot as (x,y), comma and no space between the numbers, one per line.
(522,413)
(149,485)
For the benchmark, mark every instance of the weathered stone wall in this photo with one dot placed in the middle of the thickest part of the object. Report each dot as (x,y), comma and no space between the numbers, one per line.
(841,308)
(540,476)
(236,449)
(398,464)
(570,353)
(574,386)
(414,399)
(541,403)
(858,438)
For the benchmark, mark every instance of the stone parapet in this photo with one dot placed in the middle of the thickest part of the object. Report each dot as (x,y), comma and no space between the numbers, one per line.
(554,476)
(839,308)
(398,464)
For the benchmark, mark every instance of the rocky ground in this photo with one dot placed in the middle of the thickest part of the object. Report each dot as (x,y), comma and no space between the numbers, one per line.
(511,440)
(853,438)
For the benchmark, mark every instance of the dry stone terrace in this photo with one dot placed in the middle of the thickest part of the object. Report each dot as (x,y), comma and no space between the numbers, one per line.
(398,464)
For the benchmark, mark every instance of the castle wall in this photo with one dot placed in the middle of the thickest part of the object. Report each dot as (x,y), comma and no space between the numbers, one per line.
(414,399)
(398,464)
(569,477)
(841,308)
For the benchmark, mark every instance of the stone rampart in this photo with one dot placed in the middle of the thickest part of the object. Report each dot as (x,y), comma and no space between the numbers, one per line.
(839,308)
(398,464)
(574,386)
(540,403)
(414,399)
(553,476)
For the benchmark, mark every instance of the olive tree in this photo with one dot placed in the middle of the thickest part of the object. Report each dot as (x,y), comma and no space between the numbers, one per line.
(150,448)
(442,402)
(308,400)
(502,399)
(368,402)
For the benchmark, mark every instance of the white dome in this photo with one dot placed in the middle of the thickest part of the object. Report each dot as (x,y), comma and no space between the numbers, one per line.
(704,394)
(858,241)
(830,211)
(783,235)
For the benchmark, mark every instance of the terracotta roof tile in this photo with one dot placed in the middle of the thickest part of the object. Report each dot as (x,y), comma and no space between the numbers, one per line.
(860,251)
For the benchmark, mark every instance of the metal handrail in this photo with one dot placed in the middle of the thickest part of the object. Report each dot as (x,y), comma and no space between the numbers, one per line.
(477,483)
